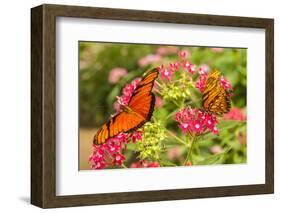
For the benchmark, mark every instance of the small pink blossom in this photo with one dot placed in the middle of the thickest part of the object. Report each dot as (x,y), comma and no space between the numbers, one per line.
(118,159)
(175,66)
(136,136)
(197,126)
(136,165)
(145,164)
(98,165)
(183,54)
(215,130)
(191,68)
(165,73)
(184,127)
(153,164)
(116,74)
(200,84)
(203,68)
(225,83)
(127,92)
(149,59)
(113,147)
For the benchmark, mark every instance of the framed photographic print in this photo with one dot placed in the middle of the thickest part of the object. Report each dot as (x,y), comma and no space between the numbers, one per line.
(136,106)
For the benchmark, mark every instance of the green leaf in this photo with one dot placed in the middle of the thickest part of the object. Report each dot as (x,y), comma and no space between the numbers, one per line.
(215,159)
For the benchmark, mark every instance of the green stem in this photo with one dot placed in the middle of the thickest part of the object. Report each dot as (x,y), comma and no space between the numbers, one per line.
(158,84)
(176,137)
(190,149)
(171,114)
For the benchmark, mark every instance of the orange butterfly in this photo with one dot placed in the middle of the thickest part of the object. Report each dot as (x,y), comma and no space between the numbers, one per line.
(216,100)
(133,116)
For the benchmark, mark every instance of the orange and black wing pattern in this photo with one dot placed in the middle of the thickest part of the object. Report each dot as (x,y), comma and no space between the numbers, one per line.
(216,100)
(139,110)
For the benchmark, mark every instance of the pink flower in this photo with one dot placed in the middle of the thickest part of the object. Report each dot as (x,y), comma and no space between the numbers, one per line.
(165,73)
(116,74)
(149,59)
(98,165)
(101,155)
(197,126)
(97,156)
(144,164)
(215,130)
(153,164)
(113,147)
(136,136)
(110,154)
(203,68)
(191,68)
(175,66)
(118,159)
(225,83)
(200,84)
(184,127)
(235,114)
(196,121)
(136,165)
(183,54)
(127,92)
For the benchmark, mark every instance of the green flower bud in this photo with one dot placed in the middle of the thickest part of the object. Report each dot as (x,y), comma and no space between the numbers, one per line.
(151,144)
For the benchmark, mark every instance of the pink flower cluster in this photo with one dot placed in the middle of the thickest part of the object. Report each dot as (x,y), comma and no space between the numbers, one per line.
(167,73)
(203,75)
(145,164)
(235,114)
(127,92)
(191,68)
(195,121)
(110,154)
(225,83)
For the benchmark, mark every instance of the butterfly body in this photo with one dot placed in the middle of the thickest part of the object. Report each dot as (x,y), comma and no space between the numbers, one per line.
(134,115)
(216,100)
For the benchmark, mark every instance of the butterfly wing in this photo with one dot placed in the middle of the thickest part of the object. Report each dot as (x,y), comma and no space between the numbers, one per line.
(122,122)
(143,100)
(216,99)
(139,111)
(221,104)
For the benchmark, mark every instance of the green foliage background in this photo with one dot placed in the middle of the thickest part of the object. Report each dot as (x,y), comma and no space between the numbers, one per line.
(97,95)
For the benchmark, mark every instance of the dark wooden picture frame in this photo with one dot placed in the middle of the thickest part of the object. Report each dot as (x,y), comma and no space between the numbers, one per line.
(43,105)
